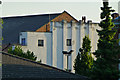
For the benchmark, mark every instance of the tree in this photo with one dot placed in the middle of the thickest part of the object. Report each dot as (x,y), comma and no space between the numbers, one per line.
(84,61)
(1,22)
(19,52)
(40,61)
(105,66)
(1,38)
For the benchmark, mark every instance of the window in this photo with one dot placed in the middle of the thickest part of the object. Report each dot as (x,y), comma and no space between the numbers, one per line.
(68,42)
(40,42)
(23,41)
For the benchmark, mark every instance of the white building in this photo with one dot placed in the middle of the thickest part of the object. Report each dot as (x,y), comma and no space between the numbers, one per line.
(63,33)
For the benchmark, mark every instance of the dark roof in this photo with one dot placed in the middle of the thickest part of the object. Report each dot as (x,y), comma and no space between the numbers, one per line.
(12,26)
(5,47)
(14,68)
(114,14)
(116,20)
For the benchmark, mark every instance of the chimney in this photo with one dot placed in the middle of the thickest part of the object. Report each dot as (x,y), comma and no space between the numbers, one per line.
(83,19)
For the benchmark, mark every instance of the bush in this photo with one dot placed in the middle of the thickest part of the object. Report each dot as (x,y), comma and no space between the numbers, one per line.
(19,52)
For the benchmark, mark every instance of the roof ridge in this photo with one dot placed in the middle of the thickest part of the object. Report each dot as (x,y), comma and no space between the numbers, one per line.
(30,15)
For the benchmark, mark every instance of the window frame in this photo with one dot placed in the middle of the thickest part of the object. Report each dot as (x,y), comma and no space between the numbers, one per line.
(41,41)
(23,41)
(69,42)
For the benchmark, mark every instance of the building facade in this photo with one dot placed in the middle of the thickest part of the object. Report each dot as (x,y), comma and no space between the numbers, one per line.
(49,35)
(64,33)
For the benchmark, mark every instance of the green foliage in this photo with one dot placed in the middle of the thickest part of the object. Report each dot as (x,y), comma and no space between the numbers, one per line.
(1,22)
(19,52)
(40,61)
(84,61)
(105,66)
(1,38)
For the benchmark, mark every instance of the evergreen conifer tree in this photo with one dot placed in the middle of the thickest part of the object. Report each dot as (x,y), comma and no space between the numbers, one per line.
(84,61)
(105,66)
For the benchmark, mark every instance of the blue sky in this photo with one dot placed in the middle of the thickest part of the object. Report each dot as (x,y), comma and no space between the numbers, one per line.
(76,8)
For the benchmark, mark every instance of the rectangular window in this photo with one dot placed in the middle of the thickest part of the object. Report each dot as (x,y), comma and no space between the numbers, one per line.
(40,42)
(23,41)
(69,42)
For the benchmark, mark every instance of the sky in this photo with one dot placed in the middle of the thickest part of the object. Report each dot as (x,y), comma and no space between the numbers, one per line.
(77,8)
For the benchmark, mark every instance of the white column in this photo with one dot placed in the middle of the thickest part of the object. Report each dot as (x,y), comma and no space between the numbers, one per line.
(74,43)
(67,32)
(54,45)
(91,34)
(82,33)
(64,43)
(59,43)
(69,36)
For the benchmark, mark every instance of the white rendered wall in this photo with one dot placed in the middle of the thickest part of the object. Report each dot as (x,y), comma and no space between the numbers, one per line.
(57,45)
(89,29)
(95,36)
(76,32)
(91,32)
(54,45)
(67,34)
(64,43)
(75,42)
(55,42)
(42,52)
(82,33)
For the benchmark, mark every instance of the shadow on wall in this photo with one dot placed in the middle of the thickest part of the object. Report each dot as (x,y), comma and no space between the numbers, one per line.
(48,44)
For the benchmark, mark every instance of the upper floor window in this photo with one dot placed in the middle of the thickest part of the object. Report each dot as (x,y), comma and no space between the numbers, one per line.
(69,42)
(40,42)
(23,41)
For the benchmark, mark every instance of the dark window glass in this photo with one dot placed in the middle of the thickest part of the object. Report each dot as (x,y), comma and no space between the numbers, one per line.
(69,42)
(23,41)
(40,42)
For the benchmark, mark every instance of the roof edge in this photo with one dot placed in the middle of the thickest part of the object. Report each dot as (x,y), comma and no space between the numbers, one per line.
(70,15)
(15,56)
(30,15)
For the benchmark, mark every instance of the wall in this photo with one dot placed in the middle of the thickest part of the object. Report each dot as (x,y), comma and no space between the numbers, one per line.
(57,45)
(71,30)
(42,52)
(75,42)
(55,42)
